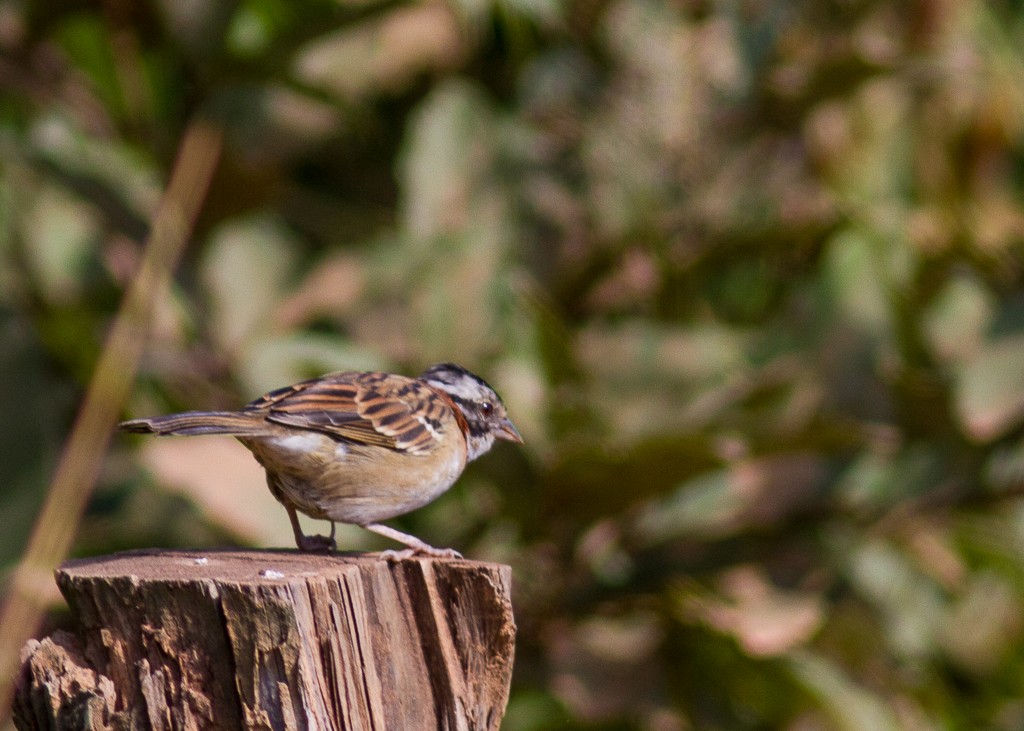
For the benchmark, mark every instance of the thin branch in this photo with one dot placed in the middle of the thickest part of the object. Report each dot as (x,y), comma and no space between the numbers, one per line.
(82,457)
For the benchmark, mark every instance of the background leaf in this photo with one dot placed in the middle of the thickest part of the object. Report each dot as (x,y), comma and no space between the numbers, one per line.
(749,277)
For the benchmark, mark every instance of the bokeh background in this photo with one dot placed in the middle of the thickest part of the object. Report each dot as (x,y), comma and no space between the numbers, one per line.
(749,275)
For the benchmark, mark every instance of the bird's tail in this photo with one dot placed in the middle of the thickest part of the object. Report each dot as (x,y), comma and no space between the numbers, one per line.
(194,423)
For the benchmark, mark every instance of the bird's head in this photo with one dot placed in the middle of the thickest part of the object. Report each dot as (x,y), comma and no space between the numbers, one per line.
(486,417)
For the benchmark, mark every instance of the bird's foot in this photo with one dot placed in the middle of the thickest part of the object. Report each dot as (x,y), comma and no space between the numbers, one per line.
(317,544)
(416,547)
(310,544)
(424,550)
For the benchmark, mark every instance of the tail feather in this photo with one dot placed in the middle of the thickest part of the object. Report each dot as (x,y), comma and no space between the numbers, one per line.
(195,423)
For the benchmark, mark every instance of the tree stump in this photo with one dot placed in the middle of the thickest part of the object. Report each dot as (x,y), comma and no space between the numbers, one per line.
(273,640)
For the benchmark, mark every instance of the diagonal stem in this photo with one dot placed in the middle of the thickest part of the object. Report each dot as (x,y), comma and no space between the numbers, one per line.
(108,390)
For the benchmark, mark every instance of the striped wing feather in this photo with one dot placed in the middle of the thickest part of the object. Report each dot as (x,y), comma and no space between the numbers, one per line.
(369,408)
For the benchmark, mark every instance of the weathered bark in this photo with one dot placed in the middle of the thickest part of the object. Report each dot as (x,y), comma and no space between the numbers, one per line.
(273,640)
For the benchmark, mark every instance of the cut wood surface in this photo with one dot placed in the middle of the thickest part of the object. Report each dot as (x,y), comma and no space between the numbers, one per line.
(273,640)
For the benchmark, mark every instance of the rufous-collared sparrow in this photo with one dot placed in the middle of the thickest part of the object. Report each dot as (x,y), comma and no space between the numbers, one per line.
(359,447)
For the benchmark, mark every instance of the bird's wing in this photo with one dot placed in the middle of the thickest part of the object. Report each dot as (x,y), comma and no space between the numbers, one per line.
(378,409)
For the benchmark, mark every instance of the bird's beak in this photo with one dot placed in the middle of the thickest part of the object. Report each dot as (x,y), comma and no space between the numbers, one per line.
(507,430)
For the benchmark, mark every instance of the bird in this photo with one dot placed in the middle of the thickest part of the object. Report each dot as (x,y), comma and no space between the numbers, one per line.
(359,447)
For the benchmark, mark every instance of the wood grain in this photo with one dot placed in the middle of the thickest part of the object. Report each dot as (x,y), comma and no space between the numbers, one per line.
(273,640)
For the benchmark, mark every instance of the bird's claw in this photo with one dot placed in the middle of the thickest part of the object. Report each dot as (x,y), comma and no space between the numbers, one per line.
(317,544)
(423,550)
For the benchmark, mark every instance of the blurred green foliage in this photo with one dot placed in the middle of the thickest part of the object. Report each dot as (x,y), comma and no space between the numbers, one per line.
(750,277)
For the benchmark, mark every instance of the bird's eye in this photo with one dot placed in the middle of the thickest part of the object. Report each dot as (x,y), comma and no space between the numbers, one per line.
(486,408)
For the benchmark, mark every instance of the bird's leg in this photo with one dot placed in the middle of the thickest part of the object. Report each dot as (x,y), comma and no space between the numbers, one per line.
(415,545)
(313,544)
